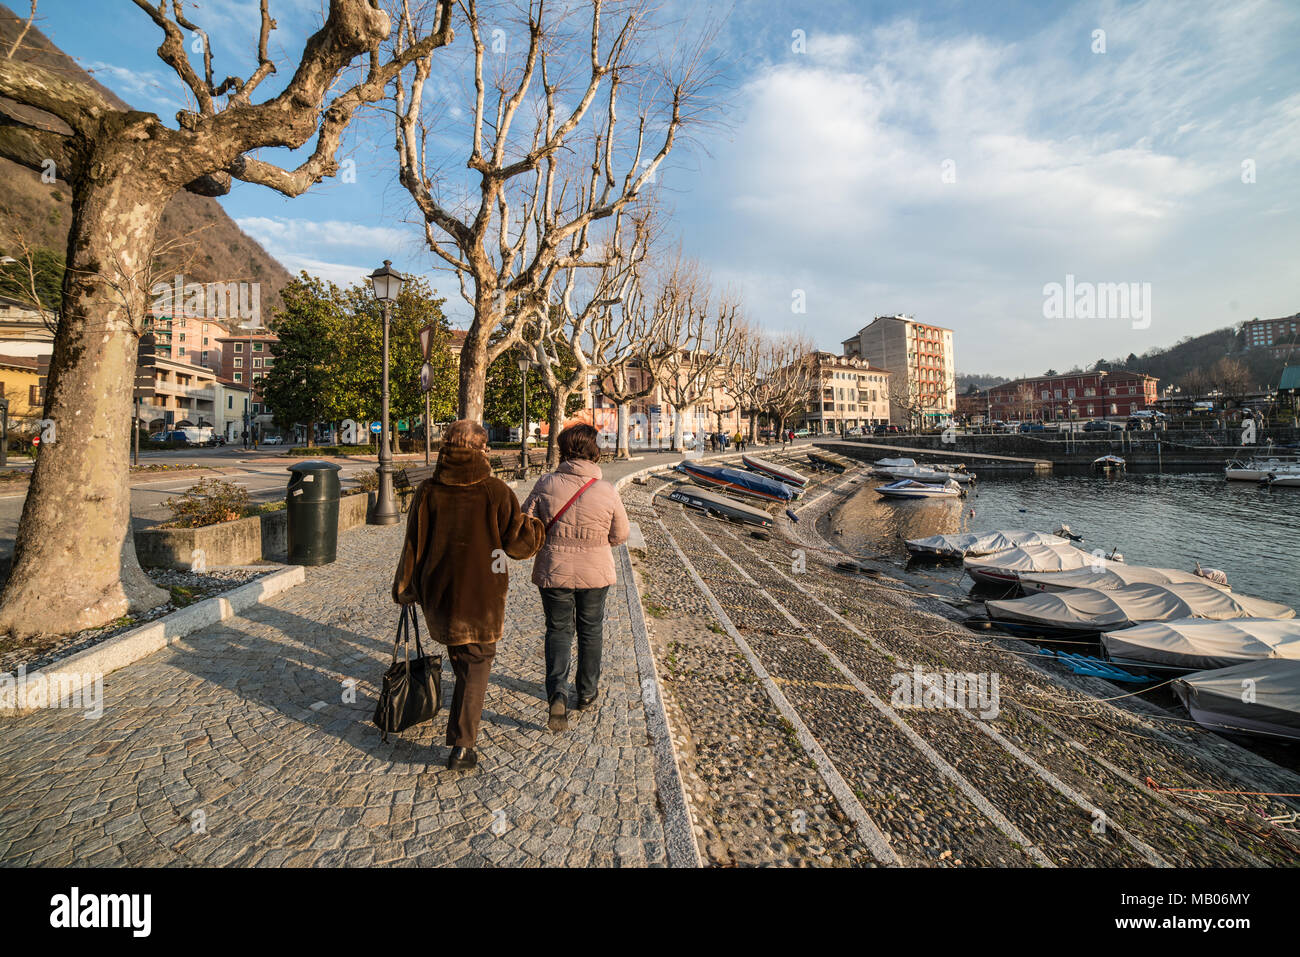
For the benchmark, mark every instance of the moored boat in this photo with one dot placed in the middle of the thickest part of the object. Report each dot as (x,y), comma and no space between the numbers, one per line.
(737,480)
(1215,700)
(925,473)
(885,464)
(1005,568)
(1197,644)
(1109,577)
(909,488)
(1257,469)
(715,503)
(1108,463)
(975,544)
(772,470)
(1091,610)
(1284,479)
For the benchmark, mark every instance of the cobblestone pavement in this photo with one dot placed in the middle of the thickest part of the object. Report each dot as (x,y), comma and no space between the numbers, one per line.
(781,675)
(244,746)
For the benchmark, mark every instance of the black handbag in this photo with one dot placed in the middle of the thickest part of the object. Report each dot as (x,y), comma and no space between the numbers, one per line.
(412,690)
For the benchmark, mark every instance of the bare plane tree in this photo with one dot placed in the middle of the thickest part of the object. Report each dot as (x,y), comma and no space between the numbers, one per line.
(74,559)
(790,378)
(701,331)
(519,179)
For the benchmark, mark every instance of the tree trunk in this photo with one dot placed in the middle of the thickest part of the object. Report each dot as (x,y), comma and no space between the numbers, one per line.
(474,356)
(621,450)
(74,561)
(679,418)
(559,399)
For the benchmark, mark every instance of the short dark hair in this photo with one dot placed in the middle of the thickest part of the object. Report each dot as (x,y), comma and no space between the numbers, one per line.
(578,441)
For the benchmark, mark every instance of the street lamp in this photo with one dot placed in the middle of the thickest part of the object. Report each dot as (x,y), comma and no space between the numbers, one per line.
(387,285)
(525,364)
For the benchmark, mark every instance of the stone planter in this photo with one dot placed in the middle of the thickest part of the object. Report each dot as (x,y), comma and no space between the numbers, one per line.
(241,542)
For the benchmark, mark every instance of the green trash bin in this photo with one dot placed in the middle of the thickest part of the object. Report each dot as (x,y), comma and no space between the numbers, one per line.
(312,501)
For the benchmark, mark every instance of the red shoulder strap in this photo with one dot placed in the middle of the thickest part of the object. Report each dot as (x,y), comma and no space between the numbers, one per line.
(576,495)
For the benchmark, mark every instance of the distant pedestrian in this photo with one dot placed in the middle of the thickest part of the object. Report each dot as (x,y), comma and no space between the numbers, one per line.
(463,521)
(740,442)
(584,517)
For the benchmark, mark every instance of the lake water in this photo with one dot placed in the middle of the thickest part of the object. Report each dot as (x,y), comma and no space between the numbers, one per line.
(1171,521)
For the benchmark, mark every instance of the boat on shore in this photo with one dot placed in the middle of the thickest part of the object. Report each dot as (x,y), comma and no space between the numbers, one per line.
(1215,701)
(715,503)
(910,488)
(1109,577)
(1005,568)
(1197,644)
(825,462)
(976,544)
(1091,610)
(737,480)
(770,469)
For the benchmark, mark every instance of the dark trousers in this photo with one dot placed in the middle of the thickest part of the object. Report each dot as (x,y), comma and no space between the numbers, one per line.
(565,608)
(471,665)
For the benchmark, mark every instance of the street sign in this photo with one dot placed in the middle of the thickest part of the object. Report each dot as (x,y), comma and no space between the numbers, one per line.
(426,343)
(426,377)
(376,427)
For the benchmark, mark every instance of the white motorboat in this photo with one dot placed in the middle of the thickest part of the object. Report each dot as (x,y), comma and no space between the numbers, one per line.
(976,544)
(1285,479)
(882,464)
(1197,644)
(1109,577)
(1005,568)
(1109,463)
(1215,700)
(908,488)
(1083,610)
(925,473)
(1257,469)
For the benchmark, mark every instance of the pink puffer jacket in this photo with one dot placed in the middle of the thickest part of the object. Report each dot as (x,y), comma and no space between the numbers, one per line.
(577,552)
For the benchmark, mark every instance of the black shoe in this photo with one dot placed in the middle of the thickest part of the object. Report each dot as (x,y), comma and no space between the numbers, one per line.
(559,718)
(461,759)
(585,703)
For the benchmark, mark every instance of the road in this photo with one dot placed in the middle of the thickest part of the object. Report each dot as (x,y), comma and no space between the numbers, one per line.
(263,472)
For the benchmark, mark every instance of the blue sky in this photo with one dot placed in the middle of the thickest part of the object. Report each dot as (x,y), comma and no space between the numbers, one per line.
(943,159)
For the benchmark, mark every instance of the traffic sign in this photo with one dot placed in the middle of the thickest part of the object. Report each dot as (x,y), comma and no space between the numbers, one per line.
(376,427)
(426,341)
(426,377)
(403,425)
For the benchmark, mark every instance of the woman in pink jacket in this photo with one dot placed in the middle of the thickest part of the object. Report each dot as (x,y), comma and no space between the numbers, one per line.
(584,518)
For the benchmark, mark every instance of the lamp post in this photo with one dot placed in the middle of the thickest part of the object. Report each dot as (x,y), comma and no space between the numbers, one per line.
(524,364)
(387,284)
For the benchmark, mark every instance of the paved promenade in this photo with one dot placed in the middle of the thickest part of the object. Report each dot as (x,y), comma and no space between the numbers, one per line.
(251,744)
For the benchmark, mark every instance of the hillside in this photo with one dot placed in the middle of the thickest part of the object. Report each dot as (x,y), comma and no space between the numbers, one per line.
(203,242)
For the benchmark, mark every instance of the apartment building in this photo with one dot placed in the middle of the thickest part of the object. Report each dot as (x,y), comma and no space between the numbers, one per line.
(850,393)
(1281,336)
(923,388)
(1084,395)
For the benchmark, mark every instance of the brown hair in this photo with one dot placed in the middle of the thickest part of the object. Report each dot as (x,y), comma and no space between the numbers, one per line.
(578,441)
(465,434)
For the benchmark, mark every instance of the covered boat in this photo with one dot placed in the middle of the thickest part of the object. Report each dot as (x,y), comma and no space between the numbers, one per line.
(1091,610)
(737,480)
(715,503)
(1195,644)
(1215,699)
(976,543)
(1109,463)
(909,488)
(772,470)
(1109,577)
(927,473)
(895,463)
(1005,568)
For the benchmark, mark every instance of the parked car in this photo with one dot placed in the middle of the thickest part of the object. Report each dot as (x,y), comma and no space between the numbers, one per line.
(1102,425)
(802,434)
(1032,427)
(767,435)
(197,437)
(273,440)
(856,430)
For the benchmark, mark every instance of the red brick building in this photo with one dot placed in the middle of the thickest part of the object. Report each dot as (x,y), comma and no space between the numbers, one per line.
(1083,395)
(244,360)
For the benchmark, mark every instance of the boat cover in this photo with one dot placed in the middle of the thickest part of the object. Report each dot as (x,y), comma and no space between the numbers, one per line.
(979,543)
(1214,698)
(1090,609)
(896,463)
(1111,576)
(721,504)
(779,472)
(1197,643)
(1054,556)
(749,483)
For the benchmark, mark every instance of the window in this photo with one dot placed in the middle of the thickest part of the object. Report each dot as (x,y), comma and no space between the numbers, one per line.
(230,402)
(181,351)
(205,355)
(182,339)
(239,347)
(239,377)
(257,347)
(34,395)
(239,363)
(257,408)
(205,340)
(257,363)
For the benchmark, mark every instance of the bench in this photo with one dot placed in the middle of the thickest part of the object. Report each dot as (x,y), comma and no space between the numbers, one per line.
(407,480)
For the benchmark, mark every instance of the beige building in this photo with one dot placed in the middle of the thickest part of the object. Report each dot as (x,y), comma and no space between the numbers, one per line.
(852,394)
(923,390)
(651,419)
